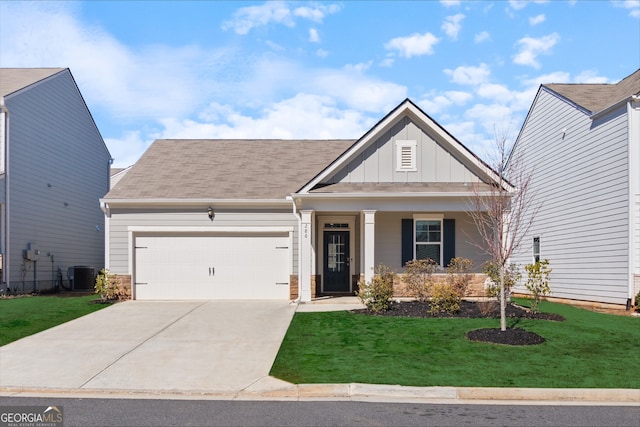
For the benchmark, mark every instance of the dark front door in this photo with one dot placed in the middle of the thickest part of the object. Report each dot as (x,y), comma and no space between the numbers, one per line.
(336,261)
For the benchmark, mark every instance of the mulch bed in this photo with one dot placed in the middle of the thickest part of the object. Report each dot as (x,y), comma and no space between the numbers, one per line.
(471,309)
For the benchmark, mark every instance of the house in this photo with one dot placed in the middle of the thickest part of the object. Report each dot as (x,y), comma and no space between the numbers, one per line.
(54,168)
(278,219)
(581,144)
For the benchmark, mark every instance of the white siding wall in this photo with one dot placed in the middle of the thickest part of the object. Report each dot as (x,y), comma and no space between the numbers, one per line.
(389,238)
(378,162)
(59,169)
(581,179)
(122,219)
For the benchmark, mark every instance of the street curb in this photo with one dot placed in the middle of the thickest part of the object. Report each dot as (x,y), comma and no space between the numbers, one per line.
(269,388)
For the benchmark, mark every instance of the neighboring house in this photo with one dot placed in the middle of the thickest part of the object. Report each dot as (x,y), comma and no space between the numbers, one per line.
(54,169)
(234,219)
(581,142)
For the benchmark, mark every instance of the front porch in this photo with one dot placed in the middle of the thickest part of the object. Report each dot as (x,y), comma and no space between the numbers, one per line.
(337,250)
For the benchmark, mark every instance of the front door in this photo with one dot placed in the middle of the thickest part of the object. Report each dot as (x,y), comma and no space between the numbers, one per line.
(336,261)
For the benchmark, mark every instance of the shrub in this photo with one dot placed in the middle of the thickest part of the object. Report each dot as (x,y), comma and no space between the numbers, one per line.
(107,286)
(538,281)
(419,277)
(459,275)
(377,294)
(511,277)
(638,302)
(444,298)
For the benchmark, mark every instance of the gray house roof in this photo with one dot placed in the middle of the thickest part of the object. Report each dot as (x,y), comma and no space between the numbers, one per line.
(226,169)
(14,79)
(597,97)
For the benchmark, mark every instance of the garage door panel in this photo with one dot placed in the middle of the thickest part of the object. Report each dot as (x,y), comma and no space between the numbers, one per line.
(212,267)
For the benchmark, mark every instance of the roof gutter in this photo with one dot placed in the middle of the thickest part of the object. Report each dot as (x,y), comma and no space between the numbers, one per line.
(391,195)
(192,202)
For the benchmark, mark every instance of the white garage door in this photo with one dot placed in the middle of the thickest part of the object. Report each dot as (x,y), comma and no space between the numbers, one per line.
(212,267)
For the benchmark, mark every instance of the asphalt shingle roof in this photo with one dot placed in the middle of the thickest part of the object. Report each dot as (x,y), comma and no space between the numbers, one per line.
(226,169)
(597,97)
(14,79)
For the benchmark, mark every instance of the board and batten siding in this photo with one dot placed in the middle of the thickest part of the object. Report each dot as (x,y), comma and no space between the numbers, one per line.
(378,162)
(580,177)
(121,220)
(58,171)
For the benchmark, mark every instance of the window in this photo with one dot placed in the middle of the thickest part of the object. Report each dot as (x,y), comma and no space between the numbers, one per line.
(536,249)
(406,156)
(428,239)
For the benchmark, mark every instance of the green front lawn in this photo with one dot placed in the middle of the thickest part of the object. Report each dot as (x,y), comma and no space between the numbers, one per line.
(588,350)
(23,316)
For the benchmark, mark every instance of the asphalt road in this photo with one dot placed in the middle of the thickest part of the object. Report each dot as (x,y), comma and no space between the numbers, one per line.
(159,413)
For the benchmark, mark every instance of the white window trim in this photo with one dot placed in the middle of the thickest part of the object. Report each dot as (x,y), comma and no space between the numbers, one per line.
(430,217)
(533,248)
(401,145)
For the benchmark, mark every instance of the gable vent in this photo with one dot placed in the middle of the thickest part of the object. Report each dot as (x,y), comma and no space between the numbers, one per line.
(406,155)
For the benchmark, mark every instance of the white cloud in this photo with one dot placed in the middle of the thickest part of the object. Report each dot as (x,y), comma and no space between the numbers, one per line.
(520,4)
(531,48)
(126,149)
(590,76)
(538,19)
(317,13)
(289,118)
(362,66)
(313,35)
(452,25)
(322,53)
(450,3)
(413,45)
(471,75)
(278,12)
(495,92)
(482,37)
(632,5)
(434,103)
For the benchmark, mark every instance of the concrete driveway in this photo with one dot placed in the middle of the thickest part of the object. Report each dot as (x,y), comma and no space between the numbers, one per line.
(199,346)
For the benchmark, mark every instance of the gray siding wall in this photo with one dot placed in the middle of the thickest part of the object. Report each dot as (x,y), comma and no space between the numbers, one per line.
(389,238)
(378,162)
(122,219)
(59,169)
(582,181)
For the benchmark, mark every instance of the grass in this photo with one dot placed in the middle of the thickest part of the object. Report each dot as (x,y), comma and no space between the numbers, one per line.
(588,350)
(23,316)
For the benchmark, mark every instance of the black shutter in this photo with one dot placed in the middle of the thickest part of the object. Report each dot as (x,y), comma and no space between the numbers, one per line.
(407,240)
(449,240)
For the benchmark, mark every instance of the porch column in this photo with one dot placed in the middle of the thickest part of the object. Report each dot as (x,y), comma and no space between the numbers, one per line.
(369,244)
(306,254)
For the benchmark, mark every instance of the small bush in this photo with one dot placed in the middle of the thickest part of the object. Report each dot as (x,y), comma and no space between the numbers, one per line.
(419,277)
(377,294)
(459,275)
(638,302)
(511,277)
(444,298)
(107,286)
(538,281)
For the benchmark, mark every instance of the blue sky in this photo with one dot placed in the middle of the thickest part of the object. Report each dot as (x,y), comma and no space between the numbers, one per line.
(316,70)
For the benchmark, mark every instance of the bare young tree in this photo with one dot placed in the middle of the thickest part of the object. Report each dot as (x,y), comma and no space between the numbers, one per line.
(503,211)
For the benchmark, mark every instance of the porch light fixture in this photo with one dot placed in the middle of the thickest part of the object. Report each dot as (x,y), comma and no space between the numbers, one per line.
(210,213)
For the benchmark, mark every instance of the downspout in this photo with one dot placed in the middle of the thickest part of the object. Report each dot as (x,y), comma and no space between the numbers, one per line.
(299,217)
(107,229)
(4,136)
(633,119)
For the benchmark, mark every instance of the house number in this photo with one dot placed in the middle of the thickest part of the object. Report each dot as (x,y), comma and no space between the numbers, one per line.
(306,231)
